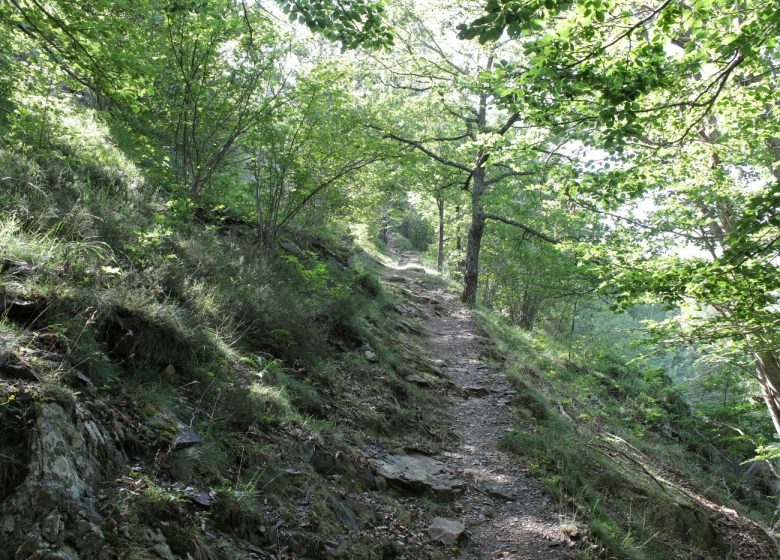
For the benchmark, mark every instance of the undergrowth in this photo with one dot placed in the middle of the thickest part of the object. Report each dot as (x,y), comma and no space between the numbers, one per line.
(172,311)
(614,447)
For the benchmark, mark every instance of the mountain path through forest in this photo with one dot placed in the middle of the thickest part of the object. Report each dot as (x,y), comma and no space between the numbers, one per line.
(504,509)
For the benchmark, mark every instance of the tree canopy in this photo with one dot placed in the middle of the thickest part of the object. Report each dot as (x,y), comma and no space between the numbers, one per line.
(561,158)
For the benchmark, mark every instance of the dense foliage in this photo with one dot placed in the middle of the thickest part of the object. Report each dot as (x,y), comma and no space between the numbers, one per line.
(602,171)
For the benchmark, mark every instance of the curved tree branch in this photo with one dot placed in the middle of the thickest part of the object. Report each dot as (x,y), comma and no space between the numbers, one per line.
(532,231)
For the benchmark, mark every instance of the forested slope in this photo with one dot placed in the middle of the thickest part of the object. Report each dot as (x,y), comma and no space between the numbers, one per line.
(257,259)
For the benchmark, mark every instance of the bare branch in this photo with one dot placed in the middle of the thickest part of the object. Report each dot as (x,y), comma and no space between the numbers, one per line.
(508,174)
(423,149)
(524,227)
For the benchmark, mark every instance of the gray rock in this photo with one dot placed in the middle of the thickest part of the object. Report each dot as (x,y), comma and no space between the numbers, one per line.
(60,555)
(21,310)
(71,452)
(499,492)
(293,248)
(153,536)
(186,437)
(52,526)
(371,356)
(345,515)
(15,268)
(475,391)
(200,498)
(445,530)
(366,514)
(78,377)
(420,474)
(18,371)
(164,551)
(183,435)
(159,545)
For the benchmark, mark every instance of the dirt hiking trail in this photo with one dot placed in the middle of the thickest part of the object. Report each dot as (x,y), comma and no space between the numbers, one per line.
(503,508)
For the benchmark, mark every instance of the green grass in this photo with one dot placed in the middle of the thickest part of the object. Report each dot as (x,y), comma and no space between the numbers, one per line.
(599,462)
(265,352)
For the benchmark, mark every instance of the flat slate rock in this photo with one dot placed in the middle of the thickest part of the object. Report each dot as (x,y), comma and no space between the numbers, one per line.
(475,391)
(200,498)
(445,530)
(420,474)
(186,437)
(345,514)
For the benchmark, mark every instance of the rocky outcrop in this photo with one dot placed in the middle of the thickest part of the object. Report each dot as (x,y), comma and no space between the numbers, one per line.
(52,513)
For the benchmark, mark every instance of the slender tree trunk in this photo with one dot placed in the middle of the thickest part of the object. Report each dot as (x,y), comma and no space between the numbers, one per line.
(471,274)
(474,242)
(530,307)
(768,374)
(489,292)
(384,230)
(440,250)
(477,228)
(767,362)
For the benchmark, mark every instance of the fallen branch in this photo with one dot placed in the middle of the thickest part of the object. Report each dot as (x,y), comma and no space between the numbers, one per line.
(604,449)
(563,412)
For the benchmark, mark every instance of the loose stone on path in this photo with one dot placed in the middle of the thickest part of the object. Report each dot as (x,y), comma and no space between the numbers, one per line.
(446,531)
(420,474)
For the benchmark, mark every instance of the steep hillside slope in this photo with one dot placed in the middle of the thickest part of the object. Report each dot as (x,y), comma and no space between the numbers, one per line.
(627,460)
(137,432)
(171,389)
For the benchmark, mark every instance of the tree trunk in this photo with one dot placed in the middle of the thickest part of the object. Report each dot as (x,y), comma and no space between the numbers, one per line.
(474,242)
(440,251)
(768,374)
(488,293)
(471,274)
(530,307)
(767,362)
(477,228)
(384,230)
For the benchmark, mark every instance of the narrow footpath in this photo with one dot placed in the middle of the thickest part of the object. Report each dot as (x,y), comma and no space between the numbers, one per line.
(504,509)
